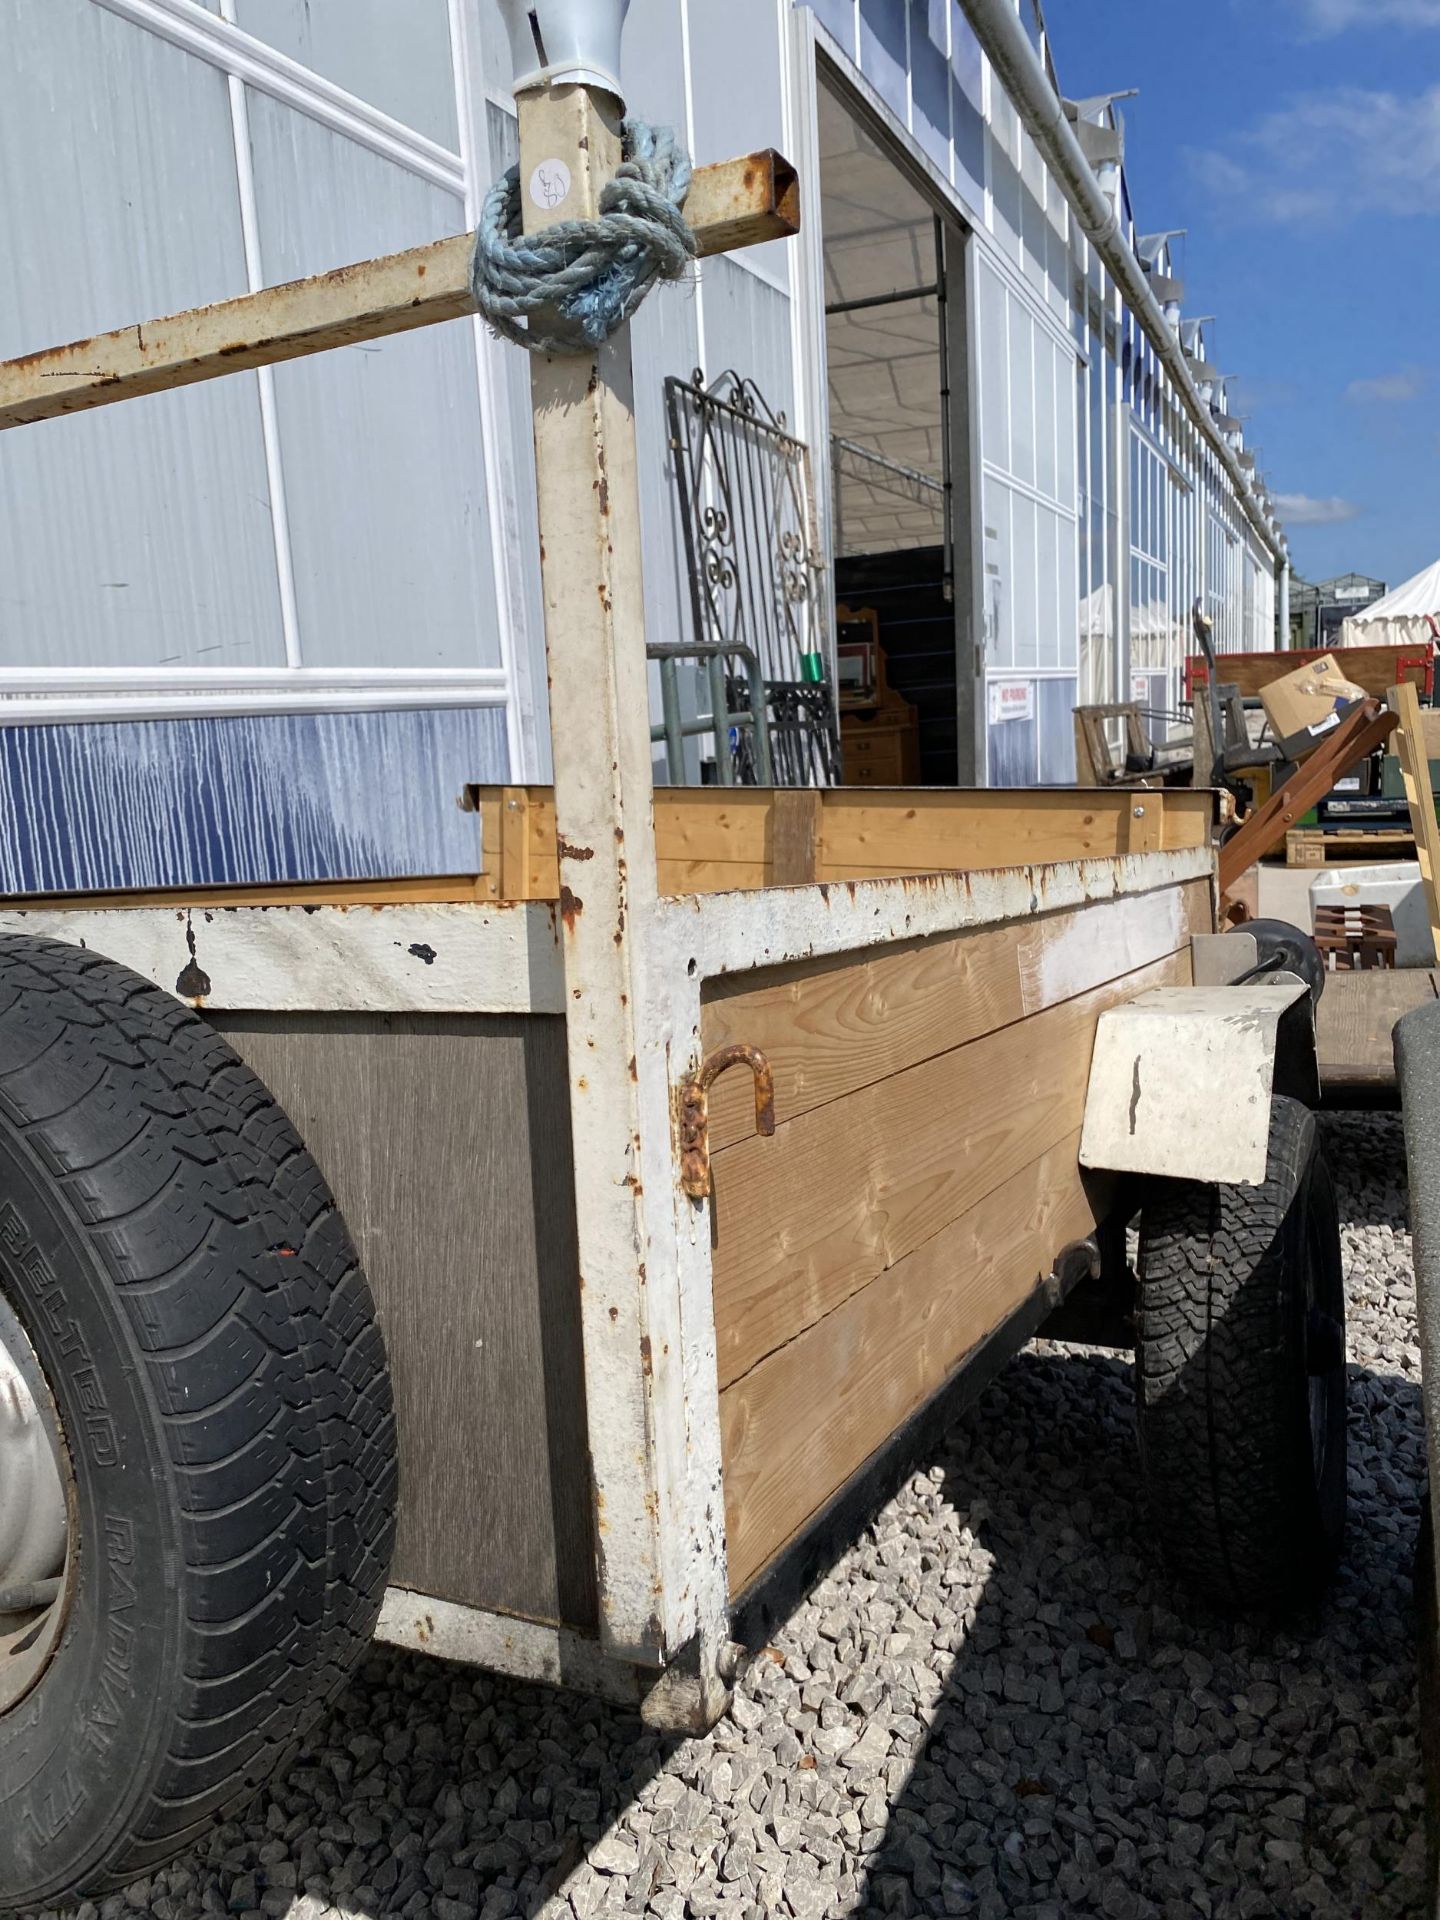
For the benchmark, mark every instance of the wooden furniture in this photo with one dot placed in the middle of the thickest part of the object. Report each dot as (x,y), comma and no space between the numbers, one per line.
(1097,763)
(879,729)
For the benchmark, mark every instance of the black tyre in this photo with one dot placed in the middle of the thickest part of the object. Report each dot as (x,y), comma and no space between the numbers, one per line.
(1240,1375)
(1280,945)
(1427,1628)
(180,1293)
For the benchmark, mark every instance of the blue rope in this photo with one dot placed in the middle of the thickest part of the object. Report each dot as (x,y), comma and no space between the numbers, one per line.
(585,276)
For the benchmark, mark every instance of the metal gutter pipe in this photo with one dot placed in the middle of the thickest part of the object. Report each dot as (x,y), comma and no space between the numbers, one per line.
(1007,47)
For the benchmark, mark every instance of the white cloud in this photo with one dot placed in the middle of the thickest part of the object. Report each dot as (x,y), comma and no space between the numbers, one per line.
(1324,17)
(1301,510)
(1388,389)
(1326,157)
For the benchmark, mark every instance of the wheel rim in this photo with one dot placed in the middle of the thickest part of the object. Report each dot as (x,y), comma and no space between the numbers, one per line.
(37,1516)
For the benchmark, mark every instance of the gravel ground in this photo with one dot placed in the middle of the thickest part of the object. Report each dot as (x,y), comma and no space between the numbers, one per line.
(994,1706)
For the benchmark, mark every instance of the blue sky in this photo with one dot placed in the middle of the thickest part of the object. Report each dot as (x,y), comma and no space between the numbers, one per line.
(1298,141)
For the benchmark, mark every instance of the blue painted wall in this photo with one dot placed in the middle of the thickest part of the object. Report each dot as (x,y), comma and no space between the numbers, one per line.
(314,796)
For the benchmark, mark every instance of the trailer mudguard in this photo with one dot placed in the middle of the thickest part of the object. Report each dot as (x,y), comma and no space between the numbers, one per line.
(1181,1078)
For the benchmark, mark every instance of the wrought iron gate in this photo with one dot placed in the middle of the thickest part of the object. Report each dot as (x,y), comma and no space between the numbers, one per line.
(753,557)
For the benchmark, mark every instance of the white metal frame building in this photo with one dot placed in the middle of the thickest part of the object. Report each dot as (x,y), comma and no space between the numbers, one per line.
(268,628)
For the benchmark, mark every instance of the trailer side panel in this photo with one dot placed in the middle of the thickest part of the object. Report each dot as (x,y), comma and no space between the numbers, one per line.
(445,1139)
(920,1182)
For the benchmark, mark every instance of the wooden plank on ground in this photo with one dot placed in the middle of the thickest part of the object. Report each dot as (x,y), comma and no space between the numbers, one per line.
(805,1219)
(738,203)
(1355,1025)
(800,1423)
(832,1026)
(1410,746)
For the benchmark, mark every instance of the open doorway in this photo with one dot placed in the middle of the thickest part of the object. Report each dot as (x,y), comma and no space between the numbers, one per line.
(891,334)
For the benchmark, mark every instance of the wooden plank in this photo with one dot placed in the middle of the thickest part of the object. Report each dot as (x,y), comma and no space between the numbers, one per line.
(446,1141)
(804,1219)
(794,836)
(801,1422)
(1415,770)
(1376,669)
(921,831)
(415,890)
(830,1027)
(1355,1024)
(515,863)
(717,840)
(1326,846)
(738,203)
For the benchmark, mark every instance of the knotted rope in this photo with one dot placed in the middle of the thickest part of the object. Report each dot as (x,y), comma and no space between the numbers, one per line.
(592,274)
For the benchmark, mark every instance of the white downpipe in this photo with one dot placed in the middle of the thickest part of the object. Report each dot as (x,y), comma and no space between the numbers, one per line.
(1006,45)
(575,42)
(1283,614)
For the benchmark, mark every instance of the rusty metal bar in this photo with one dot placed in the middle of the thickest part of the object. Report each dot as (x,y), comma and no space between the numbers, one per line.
(737,203)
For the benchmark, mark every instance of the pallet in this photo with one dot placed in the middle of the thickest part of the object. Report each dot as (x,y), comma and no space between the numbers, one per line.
(1334,846)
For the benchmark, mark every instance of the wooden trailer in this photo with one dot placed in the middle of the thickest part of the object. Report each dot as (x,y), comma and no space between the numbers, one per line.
(698,1147)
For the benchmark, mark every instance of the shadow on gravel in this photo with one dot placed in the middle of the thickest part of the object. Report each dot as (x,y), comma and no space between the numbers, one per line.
(1101,1746)
(1048,1730)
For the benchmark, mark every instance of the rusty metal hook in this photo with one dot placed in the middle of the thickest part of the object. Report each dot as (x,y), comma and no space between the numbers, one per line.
(695,1110)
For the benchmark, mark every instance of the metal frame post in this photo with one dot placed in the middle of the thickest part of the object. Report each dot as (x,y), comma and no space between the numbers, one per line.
(652,1412)
(600,735)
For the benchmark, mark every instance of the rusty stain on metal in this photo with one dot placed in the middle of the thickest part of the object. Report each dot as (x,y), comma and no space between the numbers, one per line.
(695,1110)
(193,983)
(571,906)
(567,852)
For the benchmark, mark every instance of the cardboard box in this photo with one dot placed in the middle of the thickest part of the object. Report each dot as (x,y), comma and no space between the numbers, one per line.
(1303,706)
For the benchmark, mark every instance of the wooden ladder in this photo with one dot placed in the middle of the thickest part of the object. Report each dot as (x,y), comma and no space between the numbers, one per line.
(1415,771)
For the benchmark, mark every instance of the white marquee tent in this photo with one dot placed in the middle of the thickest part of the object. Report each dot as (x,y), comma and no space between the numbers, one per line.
(1409,616)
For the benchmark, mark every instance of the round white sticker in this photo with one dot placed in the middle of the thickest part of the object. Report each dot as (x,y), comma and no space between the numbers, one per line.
(549,183)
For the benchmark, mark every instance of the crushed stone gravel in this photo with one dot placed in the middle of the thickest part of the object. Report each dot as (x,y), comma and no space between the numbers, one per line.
(996,1705)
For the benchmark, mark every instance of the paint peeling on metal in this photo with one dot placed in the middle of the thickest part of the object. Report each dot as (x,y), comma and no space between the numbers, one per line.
(486,958)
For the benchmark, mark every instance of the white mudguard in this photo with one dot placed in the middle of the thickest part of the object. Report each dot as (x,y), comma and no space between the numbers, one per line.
(1182,1077)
